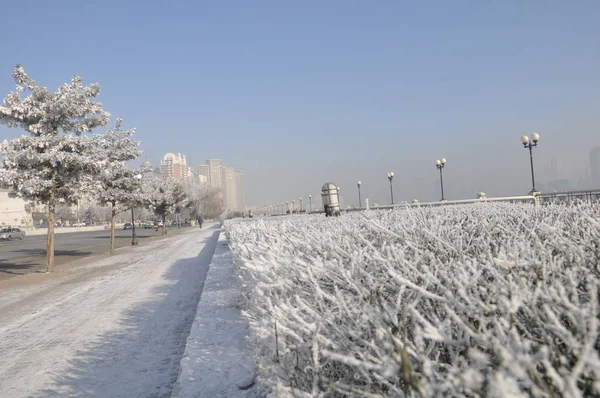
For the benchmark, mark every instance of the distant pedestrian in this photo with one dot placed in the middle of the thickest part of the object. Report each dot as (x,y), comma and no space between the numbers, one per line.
(200,221)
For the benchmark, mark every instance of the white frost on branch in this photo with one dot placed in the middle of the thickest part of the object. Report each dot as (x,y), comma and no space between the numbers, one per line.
(489,300)
(118,184)
(55,156)
(164,197)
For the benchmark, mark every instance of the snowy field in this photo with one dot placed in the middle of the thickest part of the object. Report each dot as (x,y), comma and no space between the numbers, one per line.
(115,328)
(494,300)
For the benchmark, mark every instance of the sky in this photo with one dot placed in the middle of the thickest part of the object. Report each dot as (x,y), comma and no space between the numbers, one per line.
(298,93)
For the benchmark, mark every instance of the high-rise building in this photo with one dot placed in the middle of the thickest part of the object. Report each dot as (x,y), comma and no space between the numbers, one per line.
(148,173)
(214,173)
(595,167)
(227,180)
(555,170)
(239,183)
(203,170)
(556,182)
(176,167)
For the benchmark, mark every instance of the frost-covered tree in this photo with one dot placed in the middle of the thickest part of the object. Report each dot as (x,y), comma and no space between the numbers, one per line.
(55,163)
(164,198)
(207,202)
(64,213)
(118,184)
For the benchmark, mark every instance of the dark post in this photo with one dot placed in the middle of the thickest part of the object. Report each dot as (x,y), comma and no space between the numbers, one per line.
(391,192)
(440,163)
(133,237)
(529,144)
(531,161)
(442,181)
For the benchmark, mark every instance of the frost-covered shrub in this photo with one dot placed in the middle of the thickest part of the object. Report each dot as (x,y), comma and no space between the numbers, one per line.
(491,300)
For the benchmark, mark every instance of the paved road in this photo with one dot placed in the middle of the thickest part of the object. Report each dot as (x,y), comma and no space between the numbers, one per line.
(19,257)
(112,327)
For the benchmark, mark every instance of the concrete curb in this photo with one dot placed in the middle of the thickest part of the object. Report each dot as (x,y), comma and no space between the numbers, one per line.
(217,361)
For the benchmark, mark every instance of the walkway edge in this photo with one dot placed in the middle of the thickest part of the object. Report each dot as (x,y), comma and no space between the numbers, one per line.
(217,361)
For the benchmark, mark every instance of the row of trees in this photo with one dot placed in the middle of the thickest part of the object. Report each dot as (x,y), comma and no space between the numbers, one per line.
(62,160)
(95,214)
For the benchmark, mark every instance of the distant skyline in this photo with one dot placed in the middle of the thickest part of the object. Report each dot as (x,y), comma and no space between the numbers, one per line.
(299,93)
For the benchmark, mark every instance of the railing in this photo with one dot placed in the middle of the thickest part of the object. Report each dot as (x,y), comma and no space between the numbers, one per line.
(589,196)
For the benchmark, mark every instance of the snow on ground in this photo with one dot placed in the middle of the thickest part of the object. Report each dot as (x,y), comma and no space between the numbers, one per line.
(116,328)
(217,361)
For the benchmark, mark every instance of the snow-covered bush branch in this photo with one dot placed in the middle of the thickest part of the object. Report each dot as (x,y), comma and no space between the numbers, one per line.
(487,300)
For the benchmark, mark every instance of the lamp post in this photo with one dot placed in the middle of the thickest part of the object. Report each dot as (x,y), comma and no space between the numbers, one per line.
(440,163)
(529,144)
(134,240)
(310,203)
(359,199)
(293,206)
(391,177)
(301,208)
(287,207)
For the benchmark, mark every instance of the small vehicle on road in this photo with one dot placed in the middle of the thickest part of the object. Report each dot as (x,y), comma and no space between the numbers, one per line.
(127,225)
(11,233)
(148,226)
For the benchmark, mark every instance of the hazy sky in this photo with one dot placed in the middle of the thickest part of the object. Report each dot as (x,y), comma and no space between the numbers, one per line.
(296,93)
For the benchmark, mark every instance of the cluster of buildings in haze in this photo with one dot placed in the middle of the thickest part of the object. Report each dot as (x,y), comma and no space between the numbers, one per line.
(214,175)
(556,181)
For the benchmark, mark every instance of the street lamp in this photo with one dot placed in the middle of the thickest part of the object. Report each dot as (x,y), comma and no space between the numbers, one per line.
(529,144)
(134,240)
(301,205)
(293,206)
(287,207)
(391,177)
(359,200)
(440,163)
(310,202)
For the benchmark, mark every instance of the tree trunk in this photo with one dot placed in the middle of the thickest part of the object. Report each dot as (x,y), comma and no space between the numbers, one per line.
(164,228)
(50,241)
(113,215)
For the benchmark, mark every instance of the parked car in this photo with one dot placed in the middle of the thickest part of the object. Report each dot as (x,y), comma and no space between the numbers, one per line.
(127,225)
(148,226)
(11,233)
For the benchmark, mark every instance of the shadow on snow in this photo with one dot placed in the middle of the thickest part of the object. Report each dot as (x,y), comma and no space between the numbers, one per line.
(141,358)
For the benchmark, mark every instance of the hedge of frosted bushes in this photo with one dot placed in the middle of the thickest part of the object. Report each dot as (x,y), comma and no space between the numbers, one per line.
(484,300)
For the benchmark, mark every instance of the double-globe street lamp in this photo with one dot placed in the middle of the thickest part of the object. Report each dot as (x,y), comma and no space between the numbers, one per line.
(391,177)
(301,205)
(529,144)
(359,199)
(440,163)
(310,202)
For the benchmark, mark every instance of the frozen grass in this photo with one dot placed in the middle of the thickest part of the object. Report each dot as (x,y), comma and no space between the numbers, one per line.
(487,300)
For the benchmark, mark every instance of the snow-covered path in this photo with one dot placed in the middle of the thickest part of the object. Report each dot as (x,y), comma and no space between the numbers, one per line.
(114,329)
